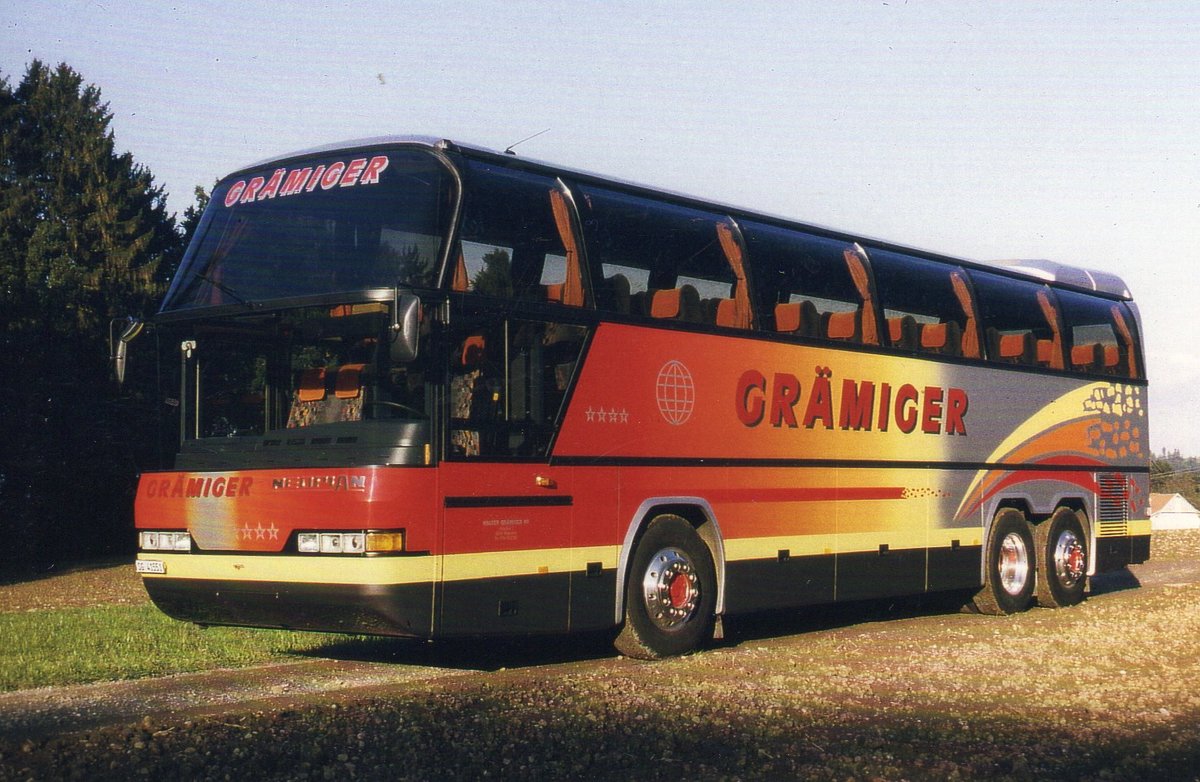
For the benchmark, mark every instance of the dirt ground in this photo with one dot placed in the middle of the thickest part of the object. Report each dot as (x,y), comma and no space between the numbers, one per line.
(914,689)
(101,583)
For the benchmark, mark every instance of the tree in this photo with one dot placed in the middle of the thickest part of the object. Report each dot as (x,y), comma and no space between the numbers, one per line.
(495,278)
(191,222)
(93,231)
(84,238)
(1166,478)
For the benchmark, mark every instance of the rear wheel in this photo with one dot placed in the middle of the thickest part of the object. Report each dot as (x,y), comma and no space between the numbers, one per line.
(1062,560)
(1009,569)
(670,594)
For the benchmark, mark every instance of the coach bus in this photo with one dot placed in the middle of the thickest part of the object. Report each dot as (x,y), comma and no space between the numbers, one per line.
(431,390)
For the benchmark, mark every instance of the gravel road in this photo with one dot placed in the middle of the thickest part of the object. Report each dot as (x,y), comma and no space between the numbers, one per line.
(1109,689)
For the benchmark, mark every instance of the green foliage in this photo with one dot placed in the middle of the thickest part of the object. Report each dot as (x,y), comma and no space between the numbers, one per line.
(84,238)
(411,266)
(1175,474)
(88,231)
(191,215)
(495,278)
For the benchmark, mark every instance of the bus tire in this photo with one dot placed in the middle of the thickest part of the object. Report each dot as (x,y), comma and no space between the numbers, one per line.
(1062,557)
(670,592)
(1009,567)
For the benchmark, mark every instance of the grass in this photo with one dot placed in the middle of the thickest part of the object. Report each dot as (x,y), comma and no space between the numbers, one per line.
(101,643)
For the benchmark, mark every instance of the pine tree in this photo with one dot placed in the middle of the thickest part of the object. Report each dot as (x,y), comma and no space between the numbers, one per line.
(495,278)
(188,226)
(94,225)
(84,238)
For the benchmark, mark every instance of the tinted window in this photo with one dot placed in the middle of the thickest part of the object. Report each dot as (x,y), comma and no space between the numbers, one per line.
(808,283)
(516,239)
(927,306)
(346,222)
(1021,321)
(1099,334)
(656,259)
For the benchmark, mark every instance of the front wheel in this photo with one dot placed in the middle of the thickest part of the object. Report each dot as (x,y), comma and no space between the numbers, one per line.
(1062,560)
(670,594)
(1009,571)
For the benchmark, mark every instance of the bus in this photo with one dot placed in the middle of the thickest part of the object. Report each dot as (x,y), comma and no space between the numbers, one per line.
(426,389)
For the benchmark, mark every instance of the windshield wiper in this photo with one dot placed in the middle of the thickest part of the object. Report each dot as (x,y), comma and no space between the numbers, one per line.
(222,287)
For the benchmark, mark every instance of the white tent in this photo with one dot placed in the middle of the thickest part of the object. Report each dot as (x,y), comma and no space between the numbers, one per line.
(1172,511)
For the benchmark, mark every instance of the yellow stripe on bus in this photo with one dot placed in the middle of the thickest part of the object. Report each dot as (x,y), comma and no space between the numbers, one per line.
(295,569)
(765,548)
(500,564)
(381,570)
(1121,529)
(848,543)
(1139,527)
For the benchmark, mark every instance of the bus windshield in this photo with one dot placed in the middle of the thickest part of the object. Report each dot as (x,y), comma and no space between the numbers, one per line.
(318,225)
(308,380)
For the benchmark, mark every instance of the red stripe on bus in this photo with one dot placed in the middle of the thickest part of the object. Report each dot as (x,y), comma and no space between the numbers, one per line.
(814,494)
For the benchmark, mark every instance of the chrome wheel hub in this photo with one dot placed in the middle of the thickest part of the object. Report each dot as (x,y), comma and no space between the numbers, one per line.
(1069,560)
(671,589)
(1014,564)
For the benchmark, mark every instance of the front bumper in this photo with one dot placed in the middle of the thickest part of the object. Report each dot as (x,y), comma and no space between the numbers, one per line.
(369,595)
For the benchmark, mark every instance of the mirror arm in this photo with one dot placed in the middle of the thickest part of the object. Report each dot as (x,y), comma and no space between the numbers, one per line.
(118,346)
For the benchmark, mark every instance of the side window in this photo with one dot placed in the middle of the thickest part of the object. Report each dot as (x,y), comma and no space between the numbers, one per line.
(813,286)
(517,238)
(1021,321)
(927,306)
(508,381)
(1100,335)
(665,261)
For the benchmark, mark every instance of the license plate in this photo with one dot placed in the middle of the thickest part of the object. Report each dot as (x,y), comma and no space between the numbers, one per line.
(151,566)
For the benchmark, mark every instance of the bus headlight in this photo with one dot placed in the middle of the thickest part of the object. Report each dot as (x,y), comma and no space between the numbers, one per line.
(356,542)
(158,540)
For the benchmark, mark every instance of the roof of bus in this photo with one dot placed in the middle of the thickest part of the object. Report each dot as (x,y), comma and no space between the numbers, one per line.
(1038,269)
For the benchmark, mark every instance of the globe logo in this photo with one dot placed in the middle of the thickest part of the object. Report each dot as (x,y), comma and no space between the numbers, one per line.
(675,393)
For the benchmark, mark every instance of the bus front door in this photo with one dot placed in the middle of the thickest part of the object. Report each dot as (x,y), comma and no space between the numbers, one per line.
(505,548)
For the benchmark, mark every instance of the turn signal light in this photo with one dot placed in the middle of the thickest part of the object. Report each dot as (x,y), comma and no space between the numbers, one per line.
(385,541)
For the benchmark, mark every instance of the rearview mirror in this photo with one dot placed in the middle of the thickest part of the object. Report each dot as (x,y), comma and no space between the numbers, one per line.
(406,327)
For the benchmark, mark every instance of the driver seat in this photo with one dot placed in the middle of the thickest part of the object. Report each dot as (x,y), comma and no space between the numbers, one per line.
(328,395)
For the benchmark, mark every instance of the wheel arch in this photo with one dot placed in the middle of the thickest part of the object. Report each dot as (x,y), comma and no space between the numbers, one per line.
(697,512)
(1039,499)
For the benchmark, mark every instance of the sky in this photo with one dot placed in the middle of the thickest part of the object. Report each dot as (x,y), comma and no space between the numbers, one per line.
(1065,130)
